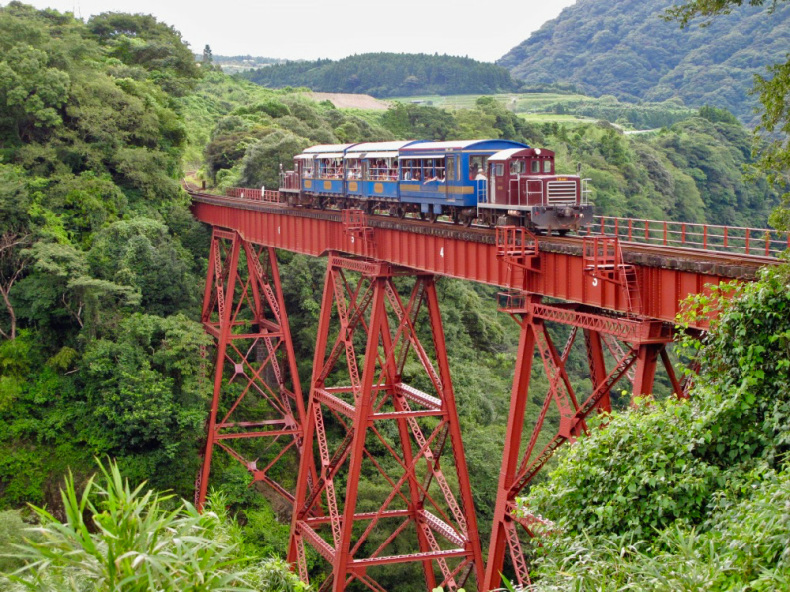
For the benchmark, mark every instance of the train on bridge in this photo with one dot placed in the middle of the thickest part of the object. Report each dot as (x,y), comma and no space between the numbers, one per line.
(494,182)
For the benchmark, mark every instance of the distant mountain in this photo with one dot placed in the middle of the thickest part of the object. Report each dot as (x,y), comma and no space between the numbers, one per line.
(389,75)
(626,49)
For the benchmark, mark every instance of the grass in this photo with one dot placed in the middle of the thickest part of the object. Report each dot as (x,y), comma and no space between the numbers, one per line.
(521,102)
(569,109)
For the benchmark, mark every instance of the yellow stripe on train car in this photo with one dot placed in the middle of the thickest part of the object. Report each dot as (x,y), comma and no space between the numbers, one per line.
(454,190)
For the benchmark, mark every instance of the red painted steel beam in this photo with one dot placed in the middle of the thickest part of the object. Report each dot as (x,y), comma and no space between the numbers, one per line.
(421,507)
(244,310)
(467,257)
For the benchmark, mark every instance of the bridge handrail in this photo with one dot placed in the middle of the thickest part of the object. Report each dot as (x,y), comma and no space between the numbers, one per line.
(764,242)
(272,196)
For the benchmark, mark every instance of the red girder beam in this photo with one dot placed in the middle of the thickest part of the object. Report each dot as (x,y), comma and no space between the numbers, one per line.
(473,257)
(511,457)
(411,557)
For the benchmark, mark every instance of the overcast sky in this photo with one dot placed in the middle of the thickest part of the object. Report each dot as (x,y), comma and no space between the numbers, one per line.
(310,29)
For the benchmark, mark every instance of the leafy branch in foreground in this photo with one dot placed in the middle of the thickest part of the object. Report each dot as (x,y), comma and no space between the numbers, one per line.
(708,8)
(118,538)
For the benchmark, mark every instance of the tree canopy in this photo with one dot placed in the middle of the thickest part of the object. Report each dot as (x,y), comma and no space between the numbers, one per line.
(389,75)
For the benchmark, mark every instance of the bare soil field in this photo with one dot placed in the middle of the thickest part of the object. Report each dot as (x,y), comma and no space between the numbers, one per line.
(349,101)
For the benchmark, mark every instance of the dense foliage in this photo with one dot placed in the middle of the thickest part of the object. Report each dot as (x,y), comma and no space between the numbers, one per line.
(687,495)
(627,49)
(100,258)
(389,75)
(119,538)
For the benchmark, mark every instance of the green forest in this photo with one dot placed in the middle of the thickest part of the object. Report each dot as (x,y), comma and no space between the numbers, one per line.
(103,387)
(628,49)
(389,75)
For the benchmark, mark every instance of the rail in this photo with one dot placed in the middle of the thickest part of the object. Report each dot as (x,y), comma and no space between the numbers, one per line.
(763,242)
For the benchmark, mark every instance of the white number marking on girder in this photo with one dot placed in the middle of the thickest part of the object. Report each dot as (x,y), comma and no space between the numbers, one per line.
(595,282)
(441,252)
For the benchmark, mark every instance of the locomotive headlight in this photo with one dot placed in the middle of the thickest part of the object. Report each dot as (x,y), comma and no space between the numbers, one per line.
(537,151)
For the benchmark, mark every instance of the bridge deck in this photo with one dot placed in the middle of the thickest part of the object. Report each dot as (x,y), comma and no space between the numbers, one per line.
(666,274)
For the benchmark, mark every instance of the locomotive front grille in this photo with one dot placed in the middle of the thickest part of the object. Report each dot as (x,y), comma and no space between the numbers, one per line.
(561,192)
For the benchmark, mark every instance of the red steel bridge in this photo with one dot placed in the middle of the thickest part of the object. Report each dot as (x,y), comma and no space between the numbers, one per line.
(617,289)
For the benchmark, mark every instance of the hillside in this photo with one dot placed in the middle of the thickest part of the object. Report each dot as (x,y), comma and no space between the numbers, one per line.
(389,75)
(627,50)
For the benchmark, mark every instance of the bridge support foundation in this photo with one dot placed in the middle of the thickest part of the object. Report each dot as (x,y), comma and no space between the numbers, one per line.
(257,409)
(380,430)
(645,344)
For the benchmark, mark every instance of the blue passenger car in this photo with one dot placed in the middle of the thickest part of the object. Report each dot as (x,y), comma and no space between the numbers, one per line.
(322,171)
(445,177)
(372,171)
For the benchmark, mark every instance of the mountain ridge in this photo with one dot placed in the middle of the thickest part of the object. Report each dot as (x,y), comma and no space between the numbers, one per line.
(628,50)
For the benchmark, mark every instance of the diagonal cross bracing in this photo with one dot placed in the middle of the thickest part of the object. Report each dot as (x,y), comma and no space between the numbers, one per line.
(362,307)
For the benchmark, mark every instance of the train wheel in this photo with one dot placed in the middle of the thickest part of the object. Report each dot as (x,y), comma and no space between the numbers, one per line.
(401,212)
(468,219)
(432,217)
(422,215)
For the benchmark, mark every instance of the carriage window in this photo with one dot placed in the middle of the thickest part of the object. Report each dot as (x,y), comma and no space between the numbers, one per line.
(535,166)
(451,169)
(436,171)
(383,169)
(354,168)
(500,170)
(410,170)
(546,166)
(330,168)
(476,163)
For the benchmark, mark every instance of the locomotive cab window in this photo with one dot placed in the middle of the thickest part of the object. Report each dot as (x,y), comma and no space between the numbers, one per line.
(518,167)
(547,166)
(535,166)
(500,169)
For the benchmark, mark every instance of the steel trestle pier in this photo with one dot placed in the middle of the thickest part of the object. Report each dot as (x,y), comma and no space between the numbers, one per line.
(377,340)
